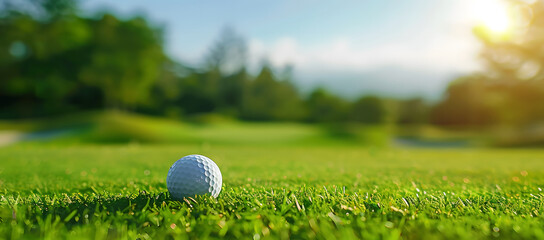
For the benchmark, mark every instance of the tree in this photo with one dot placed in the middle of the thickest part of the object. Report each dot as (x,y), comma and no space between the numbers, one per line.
(269,99)
(220,84)
(40,10)
(40,68)
(368,109)
(125,60)
(466,104)
(515,66)
(511,88)
(228,54)
(325,107)
(58,61)
(412,111)
(232,90)
(199,92)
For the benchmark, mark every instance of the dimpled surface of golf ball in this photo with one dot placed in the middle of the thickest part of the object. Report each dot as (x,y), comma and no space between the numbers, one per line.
(194,175)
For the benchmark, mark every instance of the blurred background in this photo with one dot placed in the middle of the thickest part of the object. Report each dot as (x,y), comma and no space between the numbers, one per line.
(423,73)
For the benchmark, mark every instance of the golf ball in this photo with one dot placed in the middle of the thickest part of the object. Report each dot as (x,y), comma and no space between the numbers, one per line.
(194,175)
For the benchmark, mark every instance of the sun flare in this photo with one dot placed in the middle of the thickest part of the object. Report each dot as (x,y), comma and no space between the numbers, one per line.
(494,15)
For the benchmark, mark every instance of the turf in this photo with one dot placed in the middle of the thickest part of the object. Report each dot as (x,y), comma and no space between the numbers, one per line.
(114,127)
(298,192)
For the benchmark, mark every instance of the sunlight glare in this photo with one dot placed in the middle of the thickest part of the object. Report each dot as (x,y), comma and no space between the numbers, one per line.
(493,15)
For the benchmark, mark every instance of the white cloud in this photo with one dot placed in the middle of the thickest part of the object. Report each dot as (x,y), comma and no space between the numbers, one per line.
(450,54)
(421,66)
(283,51)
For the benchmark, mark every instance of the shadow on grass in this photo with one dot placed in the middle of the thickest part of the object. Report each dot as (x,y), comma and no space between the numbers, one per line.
(78,209)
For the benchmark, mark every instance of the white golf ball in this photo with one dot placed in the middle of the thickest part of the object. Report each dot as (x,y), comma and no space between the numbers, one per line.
(194,175)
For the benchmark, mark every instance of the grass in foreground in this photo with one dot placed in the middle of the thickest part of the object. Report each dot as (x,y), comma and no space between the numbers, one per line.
(114,192)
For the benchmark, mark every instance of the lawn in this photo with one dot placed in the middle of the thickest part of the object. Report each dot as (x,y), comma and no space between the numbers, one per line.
(102,176)
(118,191)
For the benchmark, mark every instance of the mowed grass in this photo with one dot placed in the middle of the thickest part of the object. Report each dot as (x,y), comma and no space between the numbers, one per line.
(86,191)
(114,127)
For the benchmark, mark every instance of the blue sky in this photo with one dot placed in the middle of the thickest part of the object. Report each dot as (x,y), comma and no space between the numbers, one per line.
(394,47)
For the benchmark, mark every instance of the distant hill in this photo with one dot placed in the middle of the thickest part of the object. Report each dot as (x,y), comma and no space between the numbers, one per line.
(386,81)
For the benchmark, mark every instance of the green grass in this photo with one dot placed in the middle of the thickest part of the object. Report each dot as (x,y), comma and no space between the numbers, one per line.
(114,127)
(281,191)
(104,178)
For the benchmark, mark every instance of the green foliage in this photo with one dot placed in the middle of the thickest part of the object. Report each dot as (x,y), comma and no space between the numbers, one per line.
(325,192)
(59,62)
(36,79)
(270,99)
(66,62)
(58,8)
(232,90)
(412,112)
(124,60)
(511,89)
(228,53)
(466,104)
(325,107)
(369,110)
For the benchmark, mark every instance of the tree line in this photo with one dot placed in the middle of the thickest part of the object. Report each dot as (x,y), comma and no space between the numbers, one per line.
(54,61)
(510,89)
